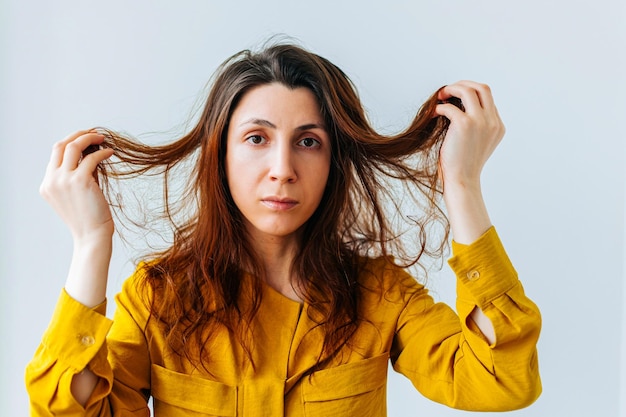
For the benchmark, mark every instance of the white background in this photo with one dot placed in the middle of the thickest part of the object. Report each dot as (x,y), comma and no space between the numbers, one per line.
(555,187)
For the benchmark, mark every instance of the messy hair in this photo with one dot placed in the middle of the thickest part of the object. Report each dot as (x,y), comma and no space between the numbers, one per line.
(196,284)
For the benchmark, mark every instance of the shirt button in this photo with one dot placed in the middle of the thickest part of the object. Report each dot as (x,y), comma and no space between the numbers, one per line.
(87,340)
(473,275)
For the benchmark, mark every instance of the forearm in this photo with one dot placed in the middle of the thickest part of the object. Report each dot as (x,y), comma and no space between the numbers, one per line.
(86,283)
(83,385)
(469,219)
(466,210)
(88,273)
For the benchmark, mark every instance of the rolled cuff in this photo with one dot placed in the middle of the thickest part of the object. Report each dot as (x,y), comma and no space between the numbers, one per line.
(483,269)
(76,333)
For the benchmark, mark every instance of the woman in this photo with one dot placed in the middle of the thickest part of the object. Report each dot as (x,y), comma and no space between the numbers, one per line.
(279,294)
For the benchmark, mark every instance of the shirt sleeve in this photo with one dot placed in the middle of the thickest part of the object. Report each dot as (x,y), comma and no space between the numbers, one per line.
(444,353)
(115,350)
(74,340)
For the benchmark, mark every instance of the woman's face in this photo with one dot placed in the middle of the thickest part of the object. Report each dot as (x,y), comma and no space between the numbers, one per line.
(277,159)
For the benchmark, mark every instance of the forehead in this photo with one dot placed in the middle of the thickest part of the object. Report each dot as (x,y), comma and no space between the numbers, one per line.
(278,104)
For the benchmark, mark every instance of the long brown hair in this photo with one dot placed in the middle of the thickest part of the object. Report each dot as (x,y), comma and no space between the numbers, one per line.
(196,283)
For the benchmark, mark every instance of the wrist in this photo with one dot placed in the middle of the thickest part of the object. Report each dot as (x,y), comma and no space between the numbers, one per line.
(93,243)
(461,189)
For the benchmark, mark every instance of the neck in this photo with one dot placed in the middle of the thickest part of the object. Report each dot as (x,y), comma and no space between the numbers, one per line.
(276,255)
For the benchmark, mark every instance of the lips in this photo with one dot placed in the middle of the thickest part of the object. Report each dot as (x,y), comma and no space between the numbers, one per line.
(279,203)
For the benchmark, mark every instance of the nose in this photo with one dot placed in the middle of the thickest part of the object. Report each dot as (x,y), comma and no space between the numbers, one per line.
(282,167)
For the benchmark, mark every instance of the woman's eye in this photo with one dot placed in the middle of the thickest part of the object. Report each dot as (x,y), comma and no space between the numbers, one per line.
(256,139)
(309,143)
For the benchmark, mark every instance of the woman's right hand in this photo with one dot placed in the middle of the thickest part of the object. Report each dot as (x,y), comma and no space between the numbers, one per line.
(71,187)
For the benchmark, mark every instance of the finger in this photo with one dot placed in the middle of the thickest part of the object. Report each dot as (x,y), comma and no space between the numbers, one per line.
(483,91)
(449,111)
(58,149)
(91,161)
(74,149)
(468,96)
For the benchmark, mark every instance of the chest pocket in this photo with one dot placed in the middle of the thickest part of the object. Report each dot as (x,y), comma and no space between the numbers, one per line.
(177,394)
(357,389)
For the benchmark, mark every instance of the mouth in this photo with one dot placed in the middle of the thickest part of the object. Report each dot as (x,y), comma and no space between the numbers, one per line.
(279,203)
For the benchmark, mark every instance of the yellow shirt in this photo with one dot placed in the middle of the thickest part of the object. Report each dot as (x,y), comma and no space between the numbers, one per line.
(442,353)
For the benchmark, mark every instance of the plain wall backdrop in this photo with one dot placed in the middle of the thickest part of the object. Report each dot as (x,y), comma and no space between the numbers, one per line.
(555,186)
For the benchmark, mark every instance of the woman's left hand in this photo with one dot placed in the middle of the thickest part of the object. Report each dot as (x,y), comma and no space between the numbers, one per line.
(472,137)
(473,134)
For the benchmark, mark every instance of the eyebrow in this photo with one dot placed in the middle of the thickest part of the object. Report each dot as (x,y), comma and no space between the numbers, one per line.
(267,123)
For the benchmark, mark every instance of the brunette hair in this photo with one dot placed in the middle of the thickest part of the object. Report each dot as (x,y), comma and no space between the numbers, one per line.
(196,283)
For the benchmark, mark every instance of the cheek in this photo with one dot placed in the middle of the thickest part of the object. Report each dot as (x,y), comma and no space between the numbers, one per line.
(326,170)
(241,179)
(233,176)
(321,181)
(228,172)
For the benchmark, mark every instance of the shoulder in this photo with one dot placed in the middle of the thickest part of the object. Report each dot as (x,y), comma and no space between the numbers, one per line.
(136,295)
(384,277)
